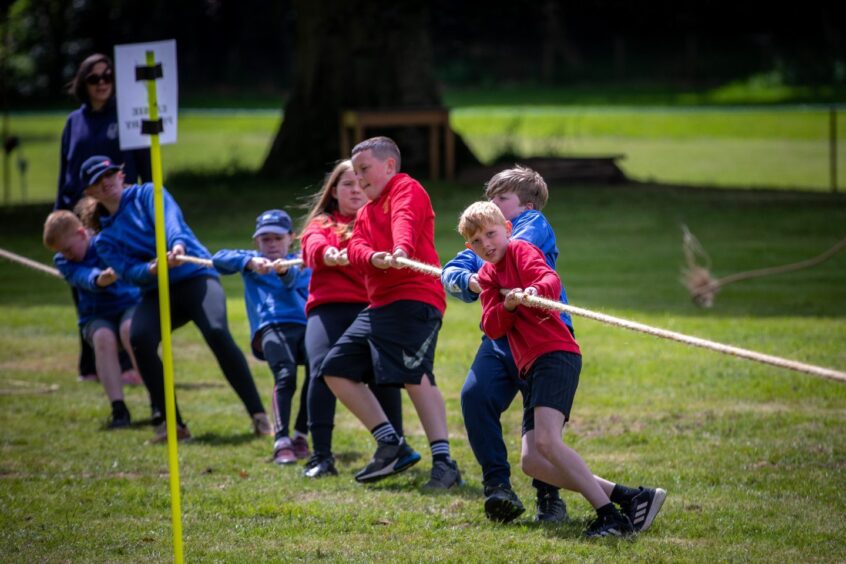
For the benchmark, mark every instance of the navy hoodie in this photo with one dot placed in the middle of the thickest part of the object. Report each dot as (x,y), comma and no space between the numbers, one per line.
(128,240)
(88,133)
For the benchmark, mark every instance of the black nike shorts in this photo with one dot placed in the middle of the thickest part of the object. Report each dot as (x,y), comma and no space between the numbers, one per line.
(395,343)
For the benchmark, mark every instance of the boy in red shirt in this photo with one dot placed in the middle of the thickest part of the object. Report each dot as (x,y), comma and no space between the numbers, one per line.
(395,337)
(549,358)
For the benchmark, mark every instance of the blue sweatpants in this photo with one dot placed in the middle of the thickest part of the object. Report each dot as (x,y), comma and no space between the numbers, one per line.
(491,385)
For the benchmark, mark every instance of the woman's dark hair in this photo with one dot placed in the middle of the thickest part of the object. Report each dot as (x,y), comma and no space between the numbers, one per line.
(76,86)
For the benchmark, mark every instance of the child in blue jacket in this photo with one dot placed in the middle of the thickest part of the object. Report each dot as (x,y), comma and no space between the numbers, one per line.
(105,306)
(127,243)
(275,298)
(493,380)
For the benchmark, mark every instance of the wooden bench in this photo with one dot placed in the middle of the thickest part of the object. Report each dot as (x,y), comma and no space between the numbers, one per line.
(354,123)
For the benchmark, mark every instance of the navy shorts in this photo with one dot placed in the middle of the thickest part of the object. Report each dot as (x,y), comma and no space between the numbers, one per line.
(112,322)
(395,343)
(551,382)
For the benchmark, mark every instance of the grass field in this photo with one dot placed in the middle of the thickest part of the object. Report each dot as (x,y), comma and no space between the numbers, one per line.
(785,148)
(753,457)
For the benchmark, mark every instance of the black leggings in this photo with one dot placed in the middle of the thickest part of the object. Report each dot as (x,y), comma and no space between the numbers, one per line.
(202,301)
(283,346)
(326,324)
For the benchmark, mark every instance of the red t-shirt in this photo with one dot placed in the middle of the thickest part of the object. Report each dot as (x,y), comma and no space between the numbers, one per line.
(330,284)
(531,331)
(402,217)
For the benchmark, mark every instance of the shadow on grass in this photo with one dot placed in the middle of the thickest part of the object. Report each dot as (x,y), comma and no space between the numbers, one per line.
(215,439)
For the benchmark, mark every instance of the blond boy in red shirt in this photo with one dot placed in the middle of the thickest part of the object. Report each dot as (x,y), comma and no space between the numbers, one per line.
(549,358)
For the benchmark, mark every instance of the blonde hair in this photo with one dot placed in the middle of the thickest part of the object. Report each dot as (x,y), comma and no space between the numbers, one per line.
(89,212)
(529,186)
(59,225)
(477,216)
(324,203)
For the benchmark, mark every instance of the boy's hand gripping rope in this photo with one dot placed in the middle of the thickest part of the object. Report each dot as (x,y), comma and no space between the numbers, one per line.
(535,301)
(279,263)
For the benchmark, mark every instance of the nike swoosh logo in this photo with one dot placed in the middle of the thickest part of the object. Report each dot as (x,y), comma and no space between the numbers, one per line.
(412,362)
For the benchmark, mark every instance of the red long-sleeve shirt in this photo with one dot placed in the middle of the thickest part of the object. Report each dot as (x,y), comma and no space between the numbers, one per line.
(531,331)
(401,217)
(330,284)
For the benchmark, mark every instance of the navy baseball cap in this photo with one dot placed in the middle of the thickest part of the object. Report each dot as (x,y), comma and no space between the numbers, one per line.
(273,221)
(94,168)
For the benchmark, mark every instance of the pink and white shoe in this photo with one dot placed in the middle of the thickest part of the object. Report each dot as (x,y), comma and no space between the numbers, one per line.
(283,451)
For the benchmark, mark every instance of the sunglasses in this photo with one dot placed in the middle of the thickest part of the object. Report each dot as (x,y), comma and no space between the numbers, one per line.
(94,79)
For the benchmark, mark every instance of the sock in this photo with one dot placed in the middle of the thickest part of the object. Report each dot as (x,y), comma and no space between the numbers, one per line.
(623,494)
(299,434)
(119,407)
(440,450)
(607,510)
(545,490)
(385,433)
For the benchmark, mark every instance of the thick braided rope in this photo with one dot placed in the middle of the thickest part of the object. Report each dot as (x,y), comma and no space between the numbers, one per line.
(544,303)
(30,263)
(208,263)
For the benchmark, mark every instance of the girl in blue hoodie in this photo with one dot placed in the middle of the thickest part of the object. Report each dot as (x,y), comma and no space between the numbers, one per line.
(127,243)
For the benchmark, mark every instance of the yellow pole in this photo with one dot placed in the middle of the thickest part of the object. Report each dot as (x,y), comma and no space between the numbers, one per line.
(164,315)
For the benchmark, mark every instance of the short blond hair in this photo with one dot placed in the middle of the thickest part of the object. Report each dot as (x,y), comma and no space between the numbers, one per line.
(59,225)
(529,186)
(477,216)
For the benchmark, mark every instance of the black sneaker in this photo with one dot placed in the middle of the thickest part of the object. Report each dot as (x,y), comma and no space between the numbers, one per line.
(388,460)
(119,420)
(613,525)
(445,474)
(551,509)
(643,507)
(320,467)
(502,504)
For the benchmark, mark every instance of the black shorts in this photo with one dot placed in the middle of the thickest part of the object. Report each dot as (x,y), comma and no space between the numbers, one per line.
(395,342)
(112,322)
(552,381)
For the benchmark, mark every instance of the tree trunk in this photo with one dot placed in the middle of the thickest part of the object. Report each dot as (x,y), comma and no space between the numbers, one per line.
(356,54)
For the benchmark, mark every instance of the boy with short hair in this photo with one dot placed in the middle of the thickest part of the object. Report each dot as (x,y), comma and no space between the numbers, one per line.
(549,358)
(106,303)
(493,380)
(275,299)
(396,335)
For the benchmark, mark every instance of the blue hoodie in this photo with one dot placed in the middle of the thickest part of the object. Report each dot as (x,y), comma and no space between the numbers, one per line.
(90,133)
(270,298)
(128,240)
(95,301)
(530,226)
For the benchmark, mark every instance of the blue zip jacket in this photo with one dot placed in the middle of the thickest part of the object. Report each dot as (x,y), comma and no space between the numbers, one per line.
(95,301)
(530,226)
(90,133)
(270,299)
(127,242)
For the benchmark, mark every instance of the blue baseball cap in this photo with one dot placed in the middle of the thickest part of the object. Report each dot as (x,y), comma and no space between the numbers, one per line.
(273,221)
(94,168)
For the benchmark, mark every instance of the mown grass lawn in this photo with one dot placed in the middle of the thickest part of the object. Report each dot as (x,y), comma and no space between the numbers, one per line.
(753,457)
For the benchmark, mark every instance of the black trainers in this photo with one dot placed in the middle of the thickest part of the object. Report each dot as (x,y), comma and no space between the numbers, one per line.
(119,420)
(643,507)
(320,467)
(551,509)
(613,525)
(502,504)
(445,474)
(388,460)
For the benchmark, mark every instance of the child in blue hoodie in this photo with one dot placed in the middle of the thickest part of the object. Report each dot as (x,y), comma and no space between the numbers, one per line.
(105,307)
(275,298)
(493,381)
(127,243)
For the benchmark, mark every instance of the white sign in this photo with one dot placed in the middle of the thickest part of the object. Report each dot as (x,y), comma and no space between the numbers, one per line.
(132,102)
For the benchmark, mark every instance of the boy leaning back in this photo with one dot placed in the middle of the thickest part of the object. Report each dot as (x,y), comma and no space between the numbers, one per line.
(549,358)
(275,298)
(395,337)
(493,381)
(106,303)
